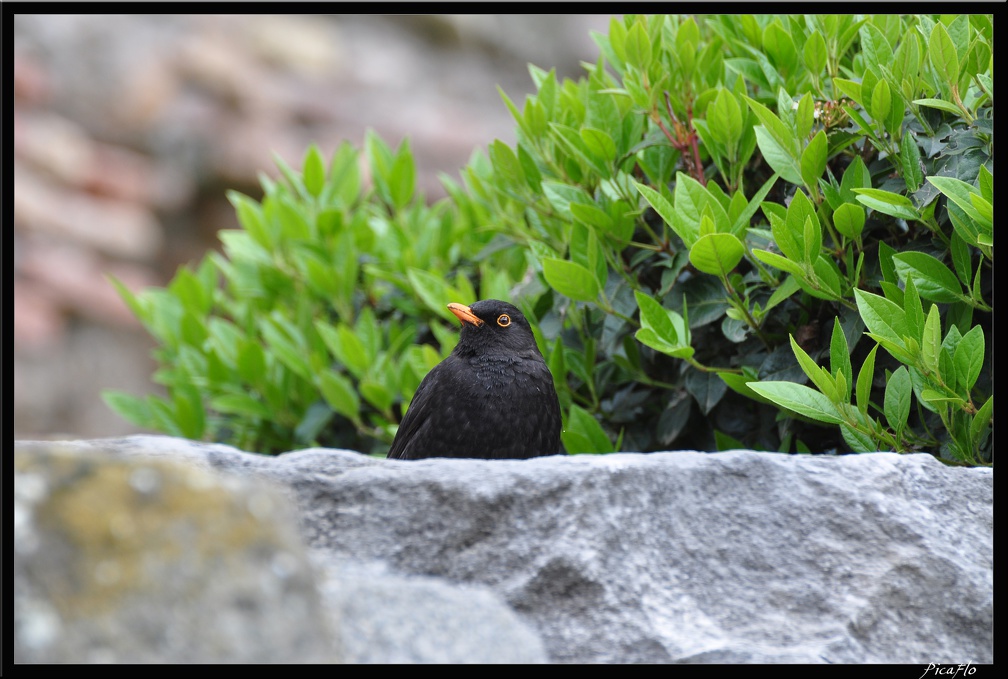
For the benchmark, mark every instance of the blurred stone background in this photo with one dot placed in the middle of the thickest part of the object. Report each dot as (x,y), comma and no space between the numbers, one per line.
(128,131)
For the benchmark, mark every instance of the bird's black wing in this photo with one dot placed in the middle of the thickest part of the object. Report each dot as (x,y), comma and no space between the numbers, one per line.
(419,411)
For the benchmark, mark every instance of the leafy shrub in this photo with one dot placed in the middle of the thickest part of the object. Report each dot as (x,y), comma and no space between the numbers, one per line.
(325,320)
(717,206)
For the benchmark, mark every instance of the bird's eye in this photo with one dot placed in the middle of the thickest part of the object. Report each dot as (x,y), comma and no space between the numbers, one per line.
(503,320)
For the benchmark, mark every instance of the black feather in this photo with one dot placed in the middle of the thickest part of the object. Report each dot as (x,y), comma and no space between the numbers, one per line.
(493,397)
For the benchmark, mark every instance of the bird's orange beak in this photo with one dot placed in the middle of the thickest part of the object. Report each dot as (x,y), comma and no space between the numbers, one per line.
(465,314)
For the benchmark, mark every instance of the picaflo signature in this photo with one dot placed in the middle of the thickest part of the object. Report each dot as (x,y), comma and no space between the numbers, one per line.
(949,671)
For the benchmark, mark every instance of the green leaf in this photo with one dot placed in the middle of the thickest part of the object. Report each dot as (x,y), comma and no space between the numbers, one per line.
(637,47)
(132,409)
(741,223)
(290,351)
(779,157)
(693,200)
(435,292)
(251,362)
(316,417)
(570,279)
(561,195)
(875,48)
(584,434)
(886,266)
(813,160)
(314,171)
(782,263)
(717,253)
(725,119)
(849,220)
(250,216)
(803,116)
(940,398)
(913,308)
(242,405)
(648,337)
(292,177)
(600,145)
(986,180)
(910,162)
(225,339)
(739,383)
(961,258)
(889,203)
(864,381)
(840,357)
(939,104)
(352,353)
(906,60)
(881,316)
(969,357)
(662,329)
(959,192)
(934,280)
(849,89)
(931,340)
(788,230)
(896,404)
(339,393)
(778,45)
(664,209)
(799,213)
(138,304)
(982,420)
(800,399)
(593,216)
(984,208)
(858,441)
(189,415)
(942,54)
(775,127)
(294,224)
(881,101)
(814,53)
(506,163)
(856,176)
(377,394)
(819,376)
(513,109)
(344,174)
(402,177)
(782,292)
(811,239)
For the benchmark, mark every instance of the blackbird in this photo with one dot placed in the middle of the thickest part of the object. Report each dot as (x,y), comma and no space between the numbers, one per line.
(493,397)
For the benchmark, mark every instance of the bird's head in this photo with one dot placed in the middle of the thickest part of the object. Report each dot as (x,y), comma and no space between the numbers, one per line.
(493,325)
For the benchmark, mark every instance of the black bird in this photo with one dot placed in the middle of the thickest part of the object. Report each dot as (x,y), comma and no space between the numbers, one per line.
(493,397)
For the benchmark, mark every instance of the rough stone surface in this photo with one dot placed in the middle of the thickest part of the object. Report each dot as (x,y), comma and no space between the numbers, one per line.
(670,557)
(159,558)
(387,618)
(153,561)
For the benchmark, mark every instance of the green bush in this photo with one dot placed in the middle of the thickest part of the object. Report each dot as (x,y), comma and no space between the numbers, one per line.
(327,317)
(718,206)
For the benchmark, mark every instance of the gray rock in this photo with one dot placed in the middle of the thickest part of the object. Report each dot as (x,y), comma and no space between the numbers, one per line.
(388,618)
(138,550)
(674,557)
(152,560)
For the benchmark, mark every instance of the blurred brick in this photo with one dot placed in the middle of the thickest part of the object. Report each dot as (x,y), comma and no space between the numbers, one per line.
(76,280)
(38,320)
(118,228)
